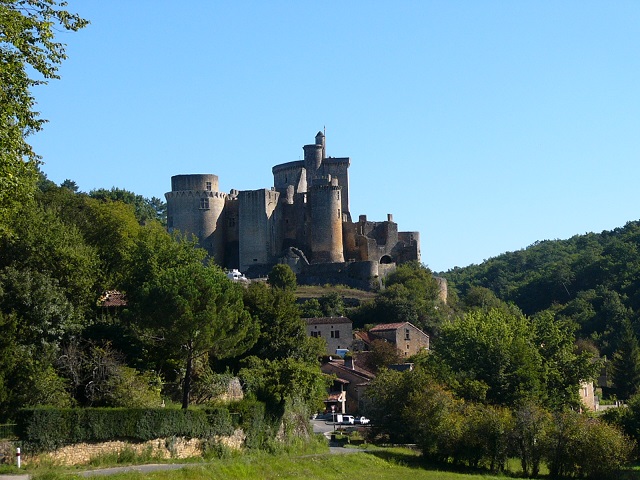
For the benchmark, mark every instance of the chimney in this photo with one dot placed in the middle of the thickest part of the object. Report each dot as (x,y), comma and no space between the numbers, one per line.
(349,362)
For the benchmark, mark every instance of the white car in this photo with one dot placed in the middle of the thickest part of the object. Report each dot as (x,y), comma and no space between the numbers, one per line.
(362,420)
(346,419)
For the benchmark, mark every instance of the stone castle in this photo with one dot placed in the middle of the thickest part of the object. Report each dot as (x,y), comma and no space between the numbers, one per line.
(304,220)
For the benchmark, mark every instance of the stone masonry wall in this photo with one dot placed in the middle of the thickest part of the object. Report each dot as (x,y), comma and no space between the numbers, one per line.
(162,448)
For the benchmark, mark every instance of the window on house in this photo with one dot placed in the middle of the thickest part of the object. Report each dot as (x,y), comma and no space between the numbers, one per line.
(204,204)
(335,333)
(208,186)
(407,335)
(315,334)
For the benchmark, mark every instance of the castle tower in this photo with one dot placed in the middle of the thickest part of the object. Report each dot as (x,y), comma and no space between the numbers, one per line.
(325,222)
(195,206)
(313,156)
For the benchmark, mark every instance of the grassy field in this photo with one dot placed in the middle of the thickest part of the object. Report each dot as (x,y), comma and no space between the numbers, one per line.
(370,464)
(373,464)
(383,464)
(351,295)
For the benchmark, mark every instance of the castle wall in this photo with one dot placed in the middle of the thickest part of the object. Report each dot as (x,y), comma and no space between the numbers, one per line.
(232,244)
(258,227)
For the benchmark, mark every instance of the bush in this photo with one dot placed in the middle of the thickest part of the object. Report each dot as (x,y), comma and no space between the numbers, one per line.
(583,446)
(49,428)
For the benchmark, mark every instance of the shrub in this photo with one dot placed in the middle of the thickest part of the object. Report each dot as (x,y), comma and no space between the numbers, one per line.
(49,428)
(583,446)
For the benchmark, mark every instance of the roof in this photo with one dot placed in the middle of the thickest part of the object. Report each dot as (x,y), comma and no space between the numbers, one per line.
(112,298)
(364,336)
(361,372)
(388,326)
(326,320)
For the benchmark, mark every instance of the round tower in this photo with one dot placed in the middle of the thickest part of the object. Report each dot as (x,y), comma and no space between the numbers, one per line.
(325,223)
(313,156)
(194,206)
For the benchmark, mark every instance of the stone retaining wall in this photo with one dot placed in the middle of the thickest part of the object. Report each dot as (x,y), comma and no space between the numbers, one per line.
(161,448)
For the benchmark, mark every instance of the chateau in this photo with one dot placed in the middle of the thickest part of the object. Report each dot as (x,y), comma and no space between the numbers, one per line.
(304,220)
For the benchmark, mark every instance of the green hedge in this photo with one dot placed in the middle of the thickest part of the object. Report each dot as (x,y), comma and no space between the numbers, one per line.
(49,428)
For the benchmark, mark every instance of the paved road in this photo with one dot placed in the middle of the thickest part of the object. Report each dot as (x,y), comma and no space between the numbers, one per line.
(319,426)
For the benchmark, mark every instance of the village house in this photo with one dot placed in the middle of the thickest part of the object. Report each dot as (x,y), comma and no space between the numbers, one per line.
(337,332)
(347,394)
(407,338)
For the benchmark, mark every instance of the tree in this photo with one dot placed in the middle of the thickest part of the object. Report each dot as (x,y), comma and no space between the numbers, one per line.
(145,209)
(496,349)
(192,310)
(27,44)
(532,425)
(282,277)
(564,365)
(412,295)
(70,185)
(626,363)
(283,333)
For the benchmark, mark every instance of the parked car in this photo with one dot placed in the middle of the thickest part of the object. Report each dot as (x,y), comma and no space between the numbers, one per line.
(346,419)
(362,420)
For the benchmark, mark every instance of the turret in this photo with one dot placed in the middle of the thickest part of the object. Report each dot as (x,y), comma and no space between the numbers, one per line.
(195,206)
(325,228)
(313,156)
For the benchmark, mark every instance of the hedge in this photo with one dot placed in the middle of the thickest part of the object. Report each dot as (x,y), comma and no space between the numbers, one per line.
(50,428)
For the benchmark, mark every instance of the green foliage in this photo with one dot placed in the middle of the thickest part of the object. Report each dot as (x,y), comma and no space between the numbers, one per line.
(532,425)
(411,295)
(47,429)
(282,331)
(282,277)
(251,415)
(591,280)
(496,349)
(145,209)
(626,363)
(581,446)
(27,46)
(278,381)
(194,310)
(43,242)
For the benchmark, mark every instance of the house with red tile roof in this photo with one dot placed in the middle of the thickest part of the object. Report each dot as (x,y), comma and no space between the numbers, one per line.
(407,338)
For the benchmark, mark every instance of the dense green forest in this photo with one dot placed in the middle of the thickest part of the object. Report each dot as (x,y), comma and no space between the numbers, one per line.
(592,280)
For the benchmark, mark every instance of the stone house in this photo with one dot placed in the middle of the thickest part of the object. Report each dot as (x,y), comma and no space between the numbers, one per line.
(352,381)
(407,338)
(337,331)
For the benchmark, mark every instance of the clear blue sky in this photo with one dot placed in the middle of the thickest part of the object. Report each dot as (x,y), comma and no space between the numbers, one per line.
(485,125)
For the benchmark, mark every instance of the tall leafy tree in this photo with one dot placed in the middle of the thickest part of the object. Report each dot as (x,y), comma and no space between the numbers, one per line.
(192,310)
(28,49)
(626,363)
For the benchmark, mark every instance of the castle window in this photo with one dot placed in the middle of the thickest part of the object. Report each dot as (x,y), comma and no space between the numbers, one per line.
(338,213)
(204,204)
(335,334)
(231,222)
(208,186)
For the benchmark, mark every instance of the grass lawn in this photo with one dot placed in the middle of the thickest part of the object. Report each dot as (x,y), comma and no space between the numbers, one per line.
(375,464)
